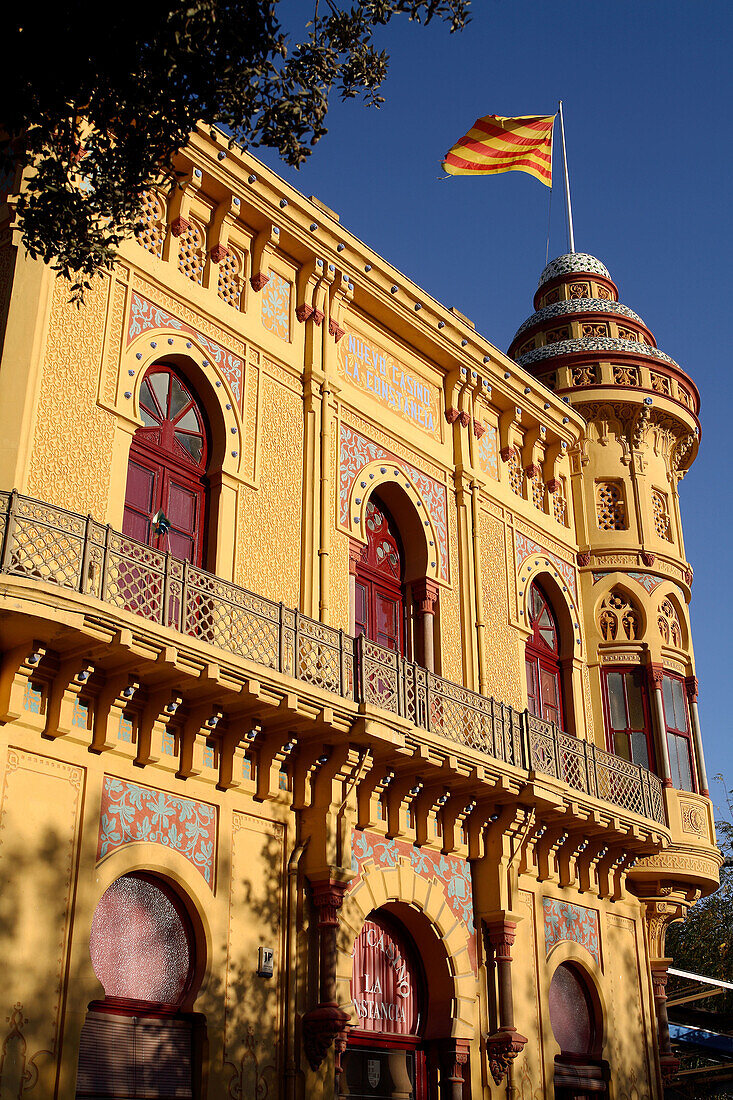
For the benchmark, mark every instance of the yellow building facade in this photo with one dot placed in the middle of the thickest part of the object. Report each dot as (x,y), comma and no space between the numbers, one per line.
(349,729)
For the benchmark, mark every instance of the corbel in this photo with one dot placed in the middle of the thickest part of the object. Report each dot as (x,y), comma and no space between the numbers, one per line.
(217,238)
(586,863)
(307,282)
(369,791)
(310,758)
(453,814)
(509,438)
(554,453)
(340,295)
(68,683)
(547,848)
(179,208)
(232,758)
(322,291)
(200,723)
(432,797)
(263,246)
(18,667)
(533,451)
(403,789)
(272,749)
(160,709)
(457,398)
(115,696)
(567,856)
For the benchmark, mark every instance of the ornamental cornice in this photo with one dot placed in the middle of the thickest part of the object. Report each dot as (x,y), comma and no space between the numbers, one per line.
(577,306)
(586,344)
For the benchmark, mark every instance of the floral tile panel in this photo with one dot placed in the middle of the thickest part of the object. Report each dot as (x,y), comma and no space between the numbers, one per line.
(131,812)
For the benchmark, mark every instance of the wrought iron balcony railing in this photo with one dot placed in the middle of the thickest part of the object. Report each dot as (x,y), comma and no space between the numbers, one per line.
(55,546)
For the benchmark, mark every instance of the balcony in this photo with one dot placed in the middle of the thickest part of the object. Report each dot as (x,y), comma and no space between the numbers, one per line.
(56,547)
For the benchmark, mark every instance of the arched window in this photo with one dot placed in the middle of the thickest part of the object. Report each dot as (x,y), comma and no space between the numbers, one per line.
(137,1042)
(542,659)
(380,603)
(167,467)
(575,1022)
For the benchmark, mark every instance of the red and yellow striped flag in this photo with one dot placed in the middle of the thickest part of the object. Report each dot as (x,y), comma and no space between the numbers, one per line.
(495,144)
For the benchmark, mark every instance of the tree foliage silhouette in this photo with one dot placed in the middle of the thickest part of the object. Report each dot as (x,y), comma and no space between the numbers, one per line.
(97,104)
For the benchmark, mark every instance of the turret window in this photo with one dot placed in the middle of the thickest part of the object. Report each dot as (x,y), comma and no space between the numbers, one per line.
(660,509)
(678,732)
(626,711)
(610,506)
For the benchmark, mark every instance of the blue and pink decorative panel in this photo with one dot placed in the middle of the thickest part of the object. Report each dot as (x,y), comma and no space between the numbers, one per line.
(356,452)
(131,812)
(488,452)
(276,306)
(145,317)
(453,874)
(564,921)
(527,548)
(646,580)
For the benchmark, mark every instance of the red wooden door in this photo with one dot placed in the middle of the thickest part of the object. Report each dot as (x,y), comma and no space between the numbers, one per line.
(544,697)
(167,467)
(380,607)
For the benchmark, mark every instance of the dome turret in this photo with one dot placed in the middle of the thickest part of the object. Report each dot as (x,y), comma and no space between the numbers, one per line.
(580,336)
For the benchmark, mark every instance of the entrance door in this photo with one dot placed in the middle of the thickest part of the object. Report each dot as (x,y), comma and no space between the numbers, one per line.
(380,607)
(385,1056)
(167,467)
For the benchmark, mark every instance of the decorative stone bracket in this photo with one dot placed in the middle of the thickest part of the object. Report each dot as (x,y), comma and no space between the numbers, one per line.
(505,1043)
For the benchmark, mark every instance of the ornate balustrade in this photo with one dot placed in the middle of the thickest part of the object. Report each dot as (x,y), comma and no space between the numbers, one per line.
(58,547)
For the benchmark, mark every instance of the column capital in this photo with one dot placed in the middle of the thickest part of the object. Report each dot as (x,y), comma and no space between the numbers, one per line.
(692,686)
(357,553)
(425,594)
(328,897)
(656,675)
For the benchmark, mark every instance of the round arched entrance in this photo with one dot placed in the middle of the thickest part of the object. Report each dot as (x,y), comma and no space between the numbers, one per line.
(386,1055)
(576,1021)
(139,1040)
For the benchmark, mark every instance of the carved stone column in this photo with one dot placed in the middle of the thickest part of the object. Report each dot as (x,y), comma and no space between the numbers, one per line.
(504,1044)
(659,913)
(356,552)
(425,595)
(692,688)
(321,1025)
(669,1064)
(656,677)
(453,1057)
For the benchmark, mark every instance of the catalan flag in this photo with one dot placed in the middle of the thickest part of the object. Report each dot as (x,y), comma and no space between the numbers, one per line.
(495,144)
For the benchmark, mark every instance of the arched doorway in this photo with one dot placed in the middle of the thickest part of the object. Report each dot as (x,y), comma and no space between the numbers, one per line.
(542,659)
(575,1018)
(167,466)
(139,1040)
(380,572)
(386,1055)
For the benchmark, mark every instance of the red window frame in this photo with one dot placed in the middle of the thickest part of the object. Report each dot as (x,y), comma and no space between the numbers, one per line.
(615,737)
(158,450)
(679,740)
(379,580)
(542,659)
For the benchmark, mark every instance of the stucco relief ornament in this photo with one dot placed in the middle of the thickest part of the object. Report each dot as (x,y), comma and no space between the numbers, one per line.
(321,1027)
(502,1048)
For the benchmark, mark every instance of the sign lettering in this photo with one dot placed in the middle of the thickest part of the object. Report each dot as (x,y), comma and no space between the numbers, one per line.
(385,982)
(375,372)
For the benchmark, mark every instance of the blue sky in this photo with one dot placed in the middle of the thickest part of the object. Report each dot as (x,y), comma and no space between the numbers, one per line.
(646,88)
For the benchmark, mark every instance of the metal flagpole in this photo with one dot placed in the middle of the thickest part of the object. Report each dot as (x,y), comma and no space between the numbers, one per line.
(567,181)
